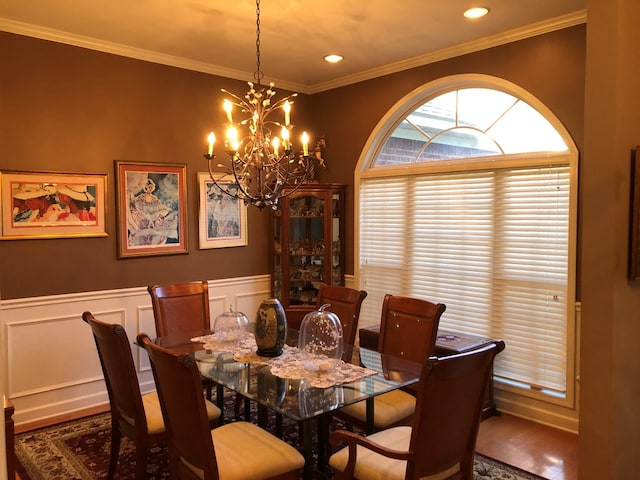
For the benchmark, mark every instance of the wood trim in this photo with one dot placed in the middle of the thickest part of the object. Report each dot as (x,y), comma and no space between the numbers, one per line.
(47,422)
(634,217)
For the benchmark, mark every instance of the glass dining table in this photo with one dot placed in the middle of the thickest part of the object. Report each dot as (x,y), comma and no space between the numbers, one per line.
(296,385)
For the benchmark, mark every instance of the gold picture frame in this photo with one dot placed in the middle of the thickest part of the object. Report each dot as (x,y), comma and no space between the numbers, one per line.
(52,205)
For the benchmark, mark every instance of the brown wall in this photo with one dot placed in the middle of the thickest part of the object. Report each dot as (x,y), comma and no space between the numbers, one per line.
(68,109)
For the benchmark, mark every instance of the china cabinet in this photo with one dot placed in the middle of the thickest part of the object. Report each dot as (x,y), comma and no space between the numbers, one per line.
(307,247)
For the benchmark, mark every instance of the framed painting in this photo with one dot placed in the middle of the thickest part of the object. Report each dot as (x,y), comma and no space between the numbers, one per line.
(222,218)
(152,209)
(52,205)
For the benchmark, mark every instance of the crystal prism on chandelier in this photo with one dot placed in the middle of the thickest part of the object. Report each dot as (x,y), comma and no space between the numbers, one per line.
(263,165)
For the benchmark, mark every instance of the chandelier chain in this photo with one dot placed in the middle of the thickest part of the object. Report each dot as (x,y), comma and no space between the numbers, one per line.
(258,75)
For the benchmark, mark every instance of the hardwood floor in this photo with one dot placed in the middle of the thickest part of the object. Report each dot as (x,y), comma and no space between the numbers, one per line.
(536,448)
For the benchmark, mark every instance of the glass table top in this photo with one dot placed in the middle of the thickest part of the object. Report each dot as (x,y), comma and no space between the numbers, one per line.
(296,398)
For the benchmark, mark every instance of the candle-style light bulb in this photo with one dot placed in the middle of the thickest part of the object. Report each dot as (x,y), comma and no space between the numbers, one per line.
(305,144)
(285,138)
(227,108)
(232,138)
(276,145)
(287,113)
(212,140)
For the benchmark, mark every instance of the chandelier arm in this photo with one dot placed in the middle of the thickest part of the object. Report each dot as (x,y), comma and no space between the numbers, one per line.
(241,103)
(282,100)
(216,182)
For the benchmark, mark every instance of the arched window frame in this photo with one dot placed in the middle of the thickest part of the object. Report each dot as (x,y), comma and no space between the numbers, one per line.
(418,97)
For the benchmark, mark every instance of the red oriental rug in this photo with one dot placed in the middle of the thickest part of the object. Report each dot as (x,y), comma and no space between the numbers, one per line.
(79,450)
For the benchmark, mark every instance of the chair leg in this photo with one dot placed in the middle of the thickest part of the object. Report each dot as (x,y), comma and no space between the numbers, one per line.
(142,452)
(209,392)
(174,459)
(247,410)
(324,447)
(114,453)
(236,406)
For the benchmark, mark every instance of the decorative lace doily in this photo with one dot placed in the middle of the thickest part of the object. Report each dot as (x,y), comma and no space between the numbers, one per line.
(318,370)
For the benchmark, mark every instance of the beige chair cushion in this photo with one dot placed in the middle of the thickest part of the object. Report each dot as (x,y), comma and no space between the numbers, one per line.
(388,408)
(374,466)
(153,412)
(244,451)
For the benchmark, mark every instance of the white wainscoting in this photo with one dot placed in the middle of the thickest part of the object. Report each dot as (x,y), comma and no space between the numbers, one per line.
(50,365)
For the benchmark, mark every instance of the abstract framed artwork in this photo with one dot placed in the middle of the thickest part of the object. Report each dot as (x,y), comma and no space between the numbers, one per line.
(52,205)
(152,209)
(222,218)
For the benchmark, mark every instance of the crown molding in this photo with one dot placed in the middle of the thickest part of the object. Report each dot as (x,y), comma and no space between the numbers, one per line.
(59,36)
(540,28)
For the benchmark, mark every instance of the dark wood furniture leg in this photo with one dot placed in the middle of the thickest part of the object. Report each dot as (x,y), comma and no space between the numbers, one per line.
(220,402)
(9,410)
(307,447)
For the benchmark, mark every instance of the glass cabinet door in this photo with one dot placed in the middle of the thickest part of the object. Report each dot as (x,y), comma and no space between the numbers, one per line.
(308,246)
(337,263)
(307,249)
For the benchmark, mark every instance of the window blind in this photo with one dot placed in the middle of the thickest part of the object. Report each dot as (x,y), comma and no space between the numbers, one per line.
(491,245)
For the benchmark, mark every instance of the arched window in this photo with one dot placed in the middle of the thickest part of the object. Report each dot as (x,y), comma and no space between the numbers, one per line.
(467,197)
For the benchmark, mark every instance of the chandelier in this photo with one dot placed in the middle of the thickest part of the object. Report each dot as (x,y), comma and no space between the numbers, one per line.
(264,166)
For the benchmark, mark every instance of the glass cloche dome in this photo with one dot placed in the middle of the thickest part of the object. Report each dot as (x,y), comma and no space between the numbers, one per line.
(230,326)
(321,337)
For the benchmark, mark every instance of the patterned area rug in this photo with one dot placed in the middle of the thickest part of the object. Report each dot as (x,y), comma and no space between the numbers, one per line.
(79,450)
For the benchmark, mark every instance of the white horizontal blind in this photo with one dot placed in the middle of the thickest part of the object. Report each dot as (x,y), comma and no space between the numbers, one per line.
(491,245)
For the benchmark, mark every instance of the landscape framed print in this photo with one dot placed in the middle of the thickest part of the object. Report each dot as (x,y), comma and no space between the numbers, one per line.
(53,205)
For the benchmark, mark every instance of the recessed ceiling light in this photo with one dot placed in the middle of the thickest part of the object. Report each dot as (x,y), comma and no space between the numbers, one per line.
(333,58)
(476,12)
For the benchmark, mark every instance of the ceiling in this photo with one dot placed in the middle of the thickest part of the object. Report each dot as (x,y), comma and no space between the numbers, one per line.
(376,37)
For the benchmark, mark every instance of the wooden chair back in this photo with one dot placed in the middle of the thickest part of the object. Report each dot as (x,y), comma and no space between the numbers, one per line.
(444,428)
(119,370)
(345,303)
(180,307)
(180,390)
(409,327)
(448,411)
(128,415)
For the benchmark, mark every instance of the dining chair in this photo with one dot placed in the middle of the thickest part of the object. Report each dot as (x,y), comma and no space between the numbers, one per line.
(345,303)
(408,329)
(182,308)
(231,451)
(440,442)
(133,415)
